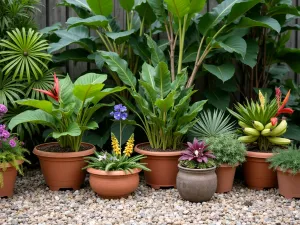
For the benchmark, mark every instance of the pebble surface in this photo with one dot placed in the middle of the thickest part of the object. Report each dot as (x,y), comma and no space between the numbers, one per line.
(34,203)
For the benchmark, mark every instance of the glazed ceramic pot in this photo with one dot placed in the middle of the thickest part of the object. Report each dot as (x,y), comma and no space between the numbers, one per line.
(225,174)
(196,185)
(163,166)
(257,173)
(9,179)
(114,184)
(63,170)
(288,183)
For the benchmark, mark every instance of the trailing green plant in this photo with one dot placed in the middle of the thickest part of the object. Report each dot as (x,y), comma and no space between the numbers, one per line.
(227,149)
(286,159)
(212,124)
(70,112)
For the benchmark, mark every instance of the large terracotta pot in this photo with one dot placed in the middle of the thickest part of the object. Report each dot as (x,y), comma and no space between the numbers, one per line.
(9,179)
(289,184)
(225,174)
(163,166)
(257,173)
(113,184)
(196,185)
(63,170)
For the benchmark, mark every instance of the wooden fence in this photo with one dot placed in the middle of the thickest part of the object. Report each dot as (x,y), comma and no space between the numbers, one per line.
(50,13)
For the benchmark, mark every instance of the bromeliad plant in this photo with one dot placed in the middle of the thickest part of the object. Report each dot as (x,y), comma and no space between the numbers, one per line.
(117,160)
(197,156)
(11,149)
(260,123)
(70,112)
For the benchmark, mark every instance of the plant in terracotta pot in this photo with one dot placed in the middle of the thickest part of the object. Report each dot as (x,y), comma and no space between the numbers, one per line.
(196,180)
(116,174)
(287,164)
(230,153)
(68,113)
(11,158)
(259,122)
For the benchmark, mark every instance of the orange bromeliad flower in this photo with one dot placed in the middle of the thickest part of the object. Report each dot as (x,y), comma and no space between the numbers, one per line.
(54,93)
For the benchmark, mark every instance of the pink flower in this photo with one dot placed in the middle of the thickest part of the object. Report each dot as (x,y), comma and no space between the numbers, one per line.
(12,143)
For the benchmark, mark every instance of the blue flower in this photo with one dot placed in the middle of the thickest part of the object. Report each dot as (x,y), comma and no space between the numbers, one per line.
(120,112)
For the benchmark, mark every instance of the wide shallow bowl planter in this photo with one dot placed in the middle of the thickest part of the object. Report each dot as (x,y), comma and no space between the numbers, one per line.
(289,184)
(163,166)
(9,179)
(196,185)
(257,174)
(63,170)
(114,184)
(225,174)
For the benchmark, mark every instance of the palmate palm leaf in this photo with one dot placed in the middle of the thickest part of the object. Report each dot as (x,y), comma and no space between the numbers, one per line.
(24,54)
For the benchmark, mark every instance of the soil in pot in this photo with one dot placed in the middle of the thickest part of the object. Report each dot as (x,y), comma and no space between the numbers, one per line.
(63,170)
(163,165)
(196,185)
(9,180)
(225,174)
(289,184)
(113,184)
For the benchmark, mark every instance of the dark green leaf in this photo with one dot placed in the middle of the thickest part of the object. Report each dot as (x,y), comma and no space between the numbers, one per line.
(223,72)
(261,21)
(94,21)
(101,7)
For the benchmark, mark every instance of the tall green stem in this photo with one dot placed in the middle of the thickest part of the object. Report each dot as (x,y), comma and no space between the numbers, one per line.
(182,29)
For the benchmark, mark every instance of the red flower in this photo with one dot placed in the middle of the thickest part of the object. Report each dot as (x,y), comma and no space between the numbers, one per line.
(54,93)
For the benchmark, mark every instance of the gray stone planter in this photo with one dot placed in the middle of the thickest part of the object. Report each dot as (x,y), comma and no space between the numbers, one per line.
(196,185)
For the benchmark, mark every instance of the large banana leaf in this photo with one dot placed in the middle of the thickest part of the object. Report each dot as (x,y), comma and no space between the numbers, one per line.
(259,21)
(127,4)
(158,9)
(66,96)
(120,37)
(39,104)
(72,130)
(94,21)
(101,7)
(162,79)
(157,55)
(148,74)
(178,8)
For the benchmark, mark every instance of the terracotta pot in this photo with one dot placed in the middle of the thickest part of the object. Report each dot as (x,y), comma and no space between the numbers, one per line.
(113,184)
(9,179)
(257,173)
(63,170)
(289,184)
(225,174)
(163,166)
(196,185)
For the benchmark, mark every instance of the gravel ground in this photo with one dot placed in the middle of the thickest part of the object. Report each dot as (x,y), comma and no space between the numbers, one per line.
(34,203)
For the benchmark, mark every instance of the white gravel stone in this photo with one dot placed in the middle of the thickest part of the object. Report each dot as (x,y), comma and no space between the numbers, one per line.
(34,203)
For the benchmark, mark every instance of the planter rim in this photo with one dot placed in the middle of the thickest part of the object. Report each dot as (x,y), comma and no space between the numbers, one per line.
(149,153)
(197,170)
(64,154)
(261,155)
(287,171)
(8,165)
(227,165)
(112,173)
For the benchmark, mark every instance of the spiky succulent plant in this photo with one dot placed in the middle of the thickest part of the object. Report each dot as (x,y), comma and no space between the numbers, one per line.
(197,156)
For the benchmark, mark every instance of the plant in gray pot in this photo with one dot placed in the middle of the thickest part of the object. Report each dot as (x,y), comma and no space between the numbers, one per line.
(196,179)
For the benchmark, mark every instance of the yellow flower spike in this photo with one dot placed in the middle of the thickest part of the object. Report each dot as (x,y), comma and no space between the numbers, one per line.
(129,146)
(115,145)
(261,99)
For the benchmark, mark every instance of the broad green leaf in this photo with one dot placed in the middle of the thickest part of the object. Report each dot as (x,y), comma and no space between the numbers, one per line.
(290,27)
(79,3)
(197,6)
(145,12)
(119,37)
(291,57)
(120,66)
(163,44)
(157,55)
(178,8)
(66,90)
(105,92)
(223,72)
(73,130)
(50,29)
(39,104)
(139,47)
(293,132)
(250,58)
(88,85)
(240,9)
(261,21)
(75,54)
(101,7)
(90,126)
(219,99)
(150,91)
(148,73)
(162,79)
(192,113)
(165,104)
(127,4)
(190,56)
(279,71)
(33,116)
(158,9)
(94,21)
(283,9)
(234,44)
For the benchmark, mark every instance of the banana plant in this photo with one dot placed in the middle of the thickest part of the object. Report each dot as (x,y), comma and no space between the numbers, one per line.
(69,113)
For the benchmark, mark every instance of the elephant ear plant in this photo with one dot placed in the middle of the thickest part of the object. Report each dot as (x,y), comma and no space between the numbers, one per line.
(70,112)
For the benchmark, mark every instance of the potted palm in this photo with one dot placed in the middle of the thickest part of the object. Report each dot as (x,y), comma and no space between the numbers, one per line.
(230,153)
(11,158)
(259,123)
(287,164)
(116,174)
(68,113)
(196,179)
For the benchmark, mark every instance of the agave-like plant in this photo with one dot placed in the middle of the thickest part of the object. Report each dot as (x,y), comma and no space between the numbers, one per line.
(24,54)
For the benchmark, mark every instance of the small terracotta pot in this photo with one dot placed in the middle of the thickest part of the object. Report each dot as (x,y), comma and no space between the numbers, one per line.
(163,166)
(63,170)
(196,185)
(114,184)
(257,173)
(289,184)
(9,179)
(225,174)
